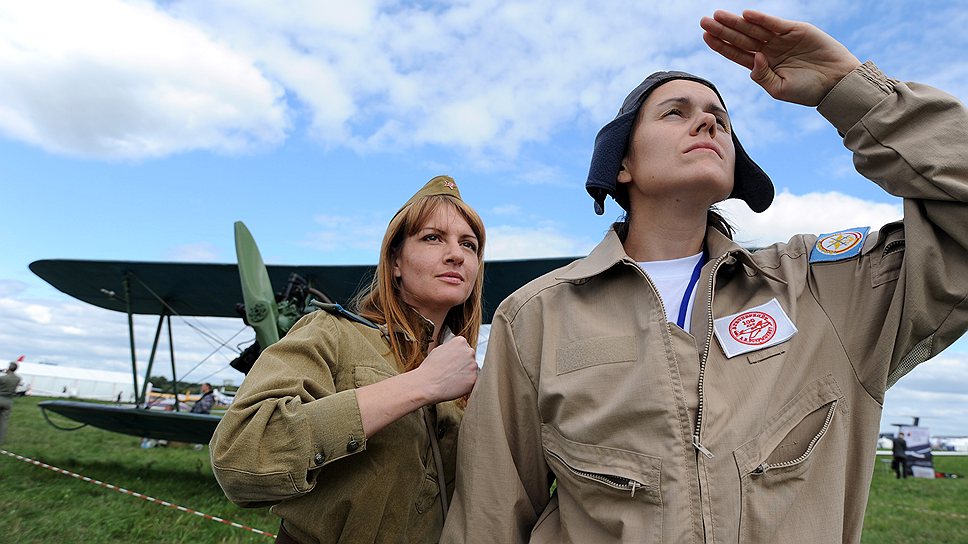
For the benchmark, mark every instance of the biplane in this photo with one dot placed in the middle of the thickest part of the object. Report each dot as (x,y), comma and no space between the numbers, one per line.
(273,296)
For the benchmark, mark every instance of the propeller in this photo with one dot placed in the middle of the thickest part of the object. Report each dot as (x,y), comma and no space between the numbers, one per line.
(261,310)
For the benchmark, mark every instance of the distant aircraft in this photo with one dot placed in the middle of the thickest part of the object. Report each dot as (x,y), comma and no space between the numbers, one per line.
(170,289)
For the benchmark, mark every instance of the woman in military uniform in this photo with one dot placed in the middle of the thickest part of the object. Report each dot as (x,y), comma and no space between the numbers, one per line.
(348,425)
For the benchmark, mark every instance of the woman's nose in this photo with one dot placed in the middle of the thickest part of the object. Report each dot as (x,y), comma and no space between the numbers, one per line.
(705,121)
(454,253)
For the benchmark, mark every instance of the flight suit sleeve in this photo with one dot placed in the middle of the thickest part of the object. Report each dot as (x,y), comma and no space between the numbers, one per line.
(502,477)
(288,419)
(906,297)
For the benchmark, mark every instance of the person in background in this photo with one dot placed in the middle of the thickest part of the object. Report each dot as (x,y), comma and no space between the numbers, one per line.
(674,386)
(899,463)
(348,425)
(8,389)
(204,404)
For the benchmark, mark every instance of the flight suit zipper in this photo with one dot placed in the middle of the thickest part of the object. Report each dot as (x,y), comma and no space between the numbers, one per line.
(696,443)
(696,437)
(615,482)
(764,467)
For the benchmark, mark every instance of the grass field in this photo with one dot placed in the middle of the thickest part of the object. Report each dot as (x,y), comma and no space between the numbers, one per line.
(915,510)
(40,506)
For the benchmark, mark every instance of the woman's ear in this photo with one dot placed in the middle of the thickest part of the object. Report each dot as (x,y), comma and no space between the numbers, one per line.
(624,176)
(395,263)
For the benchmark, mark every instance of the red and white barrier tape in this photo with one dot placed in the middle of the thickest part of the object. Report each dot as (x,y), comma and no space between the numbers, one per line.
(134,494)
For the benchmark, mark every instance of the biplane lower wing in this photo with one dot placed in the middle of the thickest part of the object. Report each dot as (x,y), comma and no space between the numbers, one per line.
(157,424)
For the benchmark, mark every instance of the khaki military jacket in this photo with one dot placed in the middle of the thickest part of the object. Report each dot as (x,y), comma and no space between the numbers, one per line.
(293,438)
(655,435)
(8,384)
(8,388)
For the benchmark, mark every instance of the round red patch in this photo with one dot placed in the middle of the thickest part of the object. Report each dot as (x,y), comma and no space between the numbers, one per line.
(753,328)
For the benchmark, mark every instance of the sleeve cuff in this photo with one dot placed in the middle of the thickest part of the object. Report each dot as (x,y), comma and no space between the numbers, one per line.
(336,427)
(855,95)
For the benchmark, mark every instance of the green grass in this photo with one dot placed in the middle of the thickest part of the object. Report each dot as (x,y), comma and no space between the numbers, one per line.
(917,510)
(40,505)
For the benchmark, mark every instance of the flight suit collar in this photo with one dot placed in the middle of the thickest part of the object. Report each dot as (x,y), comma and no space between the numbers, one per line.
(610,252)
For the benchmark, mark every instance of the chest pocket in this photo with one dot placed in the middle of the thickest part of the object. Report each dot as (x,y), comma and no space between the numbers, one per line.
(804,442)
(408,432)
(618,490)
(591,352)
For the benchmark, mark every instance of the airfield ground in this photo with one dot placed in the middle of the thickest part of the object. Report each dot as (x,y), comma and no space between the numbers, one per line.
(40,505)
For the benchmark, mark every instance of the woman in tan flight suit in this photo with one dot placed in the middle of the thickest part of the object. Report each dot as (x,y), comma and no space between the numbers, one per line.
(677,387)
(348,425)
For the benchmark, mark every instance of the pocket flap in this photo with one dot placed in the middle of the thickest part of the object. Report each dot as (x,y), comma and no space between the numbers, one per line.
(365,375)
(810,399)
(641,468)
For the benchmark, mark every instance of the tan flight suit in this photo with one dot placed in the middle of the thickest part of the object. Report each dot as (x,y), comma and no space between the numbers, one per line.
(654,435)
(293,438)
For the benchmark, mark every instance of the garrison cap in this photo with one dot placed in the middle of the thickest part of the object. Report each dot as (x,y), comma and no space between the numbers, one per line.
(440,185)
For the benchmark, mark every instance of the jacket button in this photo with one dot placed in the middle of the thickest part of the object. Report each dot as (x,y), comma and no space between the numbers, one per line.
(318,458)
(441,431)
(352,445)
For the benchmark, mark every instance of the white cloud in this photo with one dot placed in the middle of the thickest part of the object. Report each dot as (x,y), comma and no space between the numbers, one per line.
(118,80)
(37,313)
(485,77)
(812,213)
(348,238)
(11,287)
(507,209)
(507,242)
(935,57)
(935,392)
(71,333)
(197,252)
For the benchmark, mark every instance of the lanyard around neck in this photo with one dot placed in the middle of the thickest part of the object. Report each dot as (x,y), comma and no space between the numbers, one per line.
(684,305)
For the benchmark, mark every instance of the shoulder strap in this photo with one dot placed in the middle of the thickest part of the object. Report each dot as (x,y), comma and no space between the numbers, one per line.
(338,310)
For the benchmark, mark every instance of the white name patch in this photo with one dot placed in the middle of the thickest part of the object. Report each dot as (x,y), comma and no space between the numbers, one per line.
(756,328)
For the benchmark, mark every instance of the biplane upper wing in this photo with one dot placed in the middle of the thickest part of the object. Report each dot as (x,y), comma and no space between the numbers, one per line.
(201,289)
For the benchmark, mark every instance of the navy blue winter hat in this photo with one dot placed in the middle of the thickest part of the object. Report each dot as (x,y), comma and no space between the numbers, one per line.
(751,184)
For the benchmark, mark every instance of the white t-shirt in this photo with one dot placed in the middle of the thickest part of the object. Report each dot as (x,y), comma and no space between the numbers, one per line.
(671,279)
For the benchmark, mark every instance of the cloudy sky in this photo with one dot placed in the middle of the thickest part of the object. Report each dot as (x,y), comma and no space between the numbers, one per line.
(136,130)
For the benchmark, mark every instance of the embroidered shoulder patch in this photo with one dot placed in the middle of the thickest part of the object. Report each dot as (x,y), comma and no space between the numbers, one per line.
(838,246)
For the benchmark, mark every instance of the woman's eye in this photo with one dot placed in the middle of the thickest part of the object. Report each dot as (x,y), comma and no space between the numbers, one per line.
(722,123)
(470,245)
(673,111)
(431,238)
